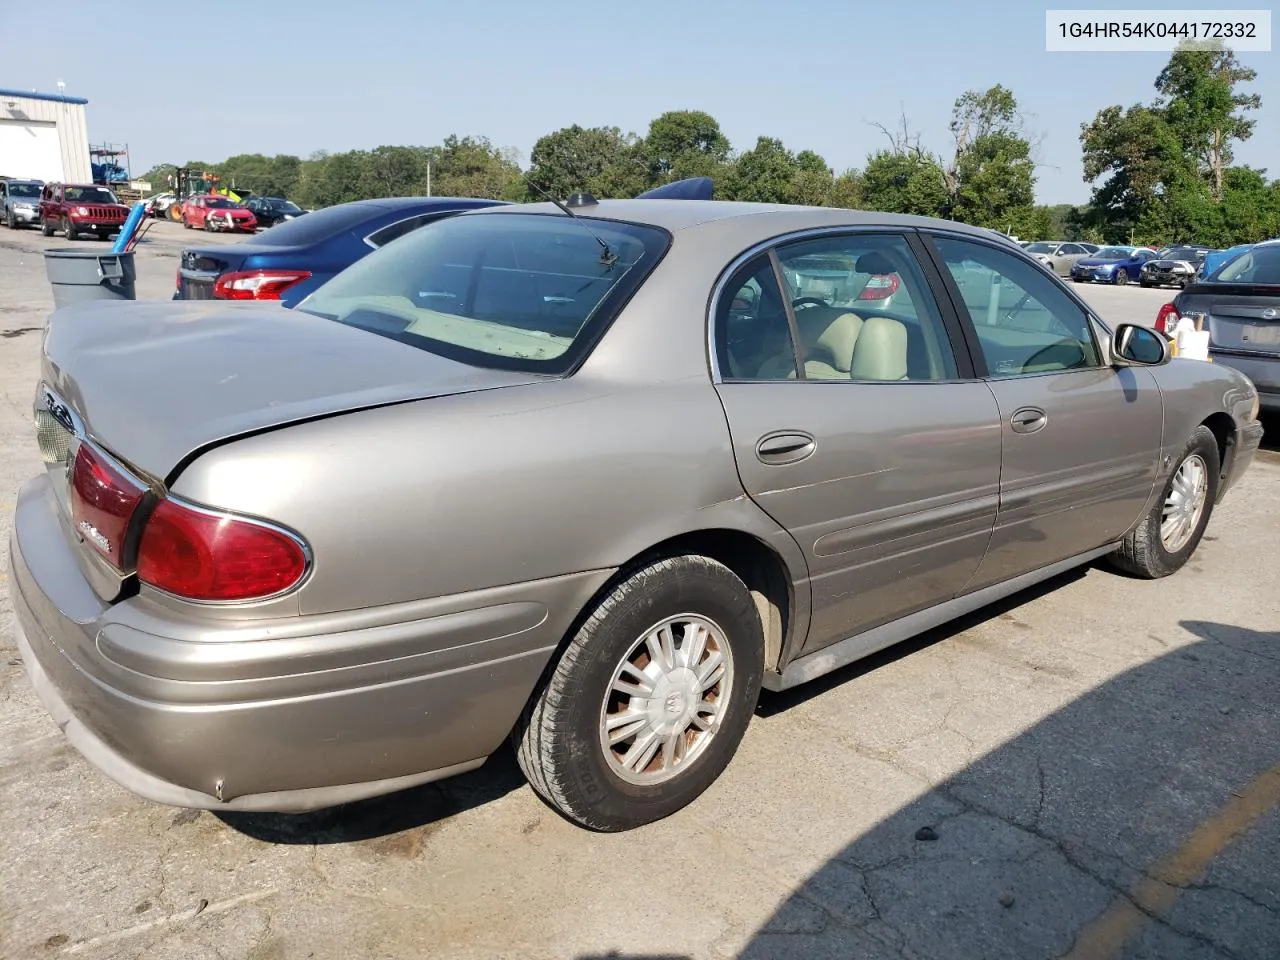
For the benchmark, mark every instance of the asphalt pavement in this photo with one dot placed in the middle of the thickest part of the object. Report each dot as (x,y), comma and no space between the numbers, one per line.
(1090,769)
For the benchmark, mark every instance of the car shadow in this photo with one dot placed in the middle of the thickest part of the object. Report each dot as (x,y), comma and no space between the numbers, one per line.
(386,815)
(1142,819)
(1271,432)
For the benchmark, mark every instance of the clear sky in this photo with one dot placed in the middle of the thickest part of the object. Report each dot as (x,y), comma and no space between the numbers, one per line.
(286,76)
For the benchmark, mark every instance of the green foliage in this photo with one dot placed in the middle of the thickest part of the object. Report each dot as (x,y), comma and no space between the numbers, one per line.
(904,183)
(1161,172)
(602,160)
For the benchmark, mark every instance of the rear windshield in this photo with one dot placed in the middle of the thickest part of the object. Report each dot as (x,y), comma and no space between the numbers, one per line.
(1261,265)
(514,291)
(319,226)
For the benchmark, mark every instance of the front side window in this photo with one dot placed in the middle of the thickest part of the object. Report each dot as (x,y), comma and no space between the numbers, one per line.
(510,290)
(381,238)
(863,310)
(1025,323)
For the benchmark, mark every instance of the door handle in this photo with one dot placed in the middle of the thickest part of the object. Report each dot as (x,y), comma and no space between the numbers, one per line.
(784,447)
(1028,420)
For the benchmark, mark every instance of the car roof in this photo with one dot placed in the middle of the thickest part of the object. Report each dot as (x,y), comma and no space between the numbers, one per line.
(766,218)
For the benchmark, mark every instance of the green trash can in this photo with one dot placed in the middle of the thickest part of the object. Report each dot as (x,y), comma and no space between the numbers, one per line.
(78,275)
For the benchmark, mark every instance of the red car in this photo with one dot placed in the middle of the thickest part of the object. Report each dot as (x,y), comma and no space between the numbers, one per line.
(73,209)
(213,212)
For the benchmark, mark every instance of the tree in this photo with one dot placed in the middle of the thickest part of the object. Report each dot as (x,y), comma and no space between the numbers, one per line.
(904,183)
(764,174)
(602,160)
(991,177)
(682,135)
(1137,157)
(1202,105)
(472,167)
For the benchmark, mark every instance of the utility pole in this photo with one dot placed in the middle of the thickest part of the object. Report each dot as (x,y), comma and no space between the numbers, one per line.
(428,178)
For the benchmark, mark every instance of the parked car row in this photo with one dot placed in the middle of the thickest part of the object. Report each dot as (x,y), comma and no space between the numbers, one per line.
(719,523)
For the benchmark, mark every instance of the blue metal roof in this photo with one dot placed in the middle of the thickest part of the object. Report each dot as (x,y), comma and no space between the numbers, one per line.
(34,95)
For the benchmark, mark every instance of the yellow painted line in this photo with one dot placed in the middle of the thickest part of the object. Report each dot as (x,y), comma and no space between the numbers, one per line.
(1159,889)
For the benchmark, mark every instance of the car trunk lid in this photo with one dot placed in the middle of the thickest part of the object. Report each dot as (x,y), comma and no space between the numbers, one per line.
(1240,317)
(156,382)
(150,385)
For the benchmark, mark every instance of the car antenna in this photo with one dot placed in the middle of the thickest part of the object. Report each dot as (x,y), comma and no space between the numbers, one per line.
(607,257)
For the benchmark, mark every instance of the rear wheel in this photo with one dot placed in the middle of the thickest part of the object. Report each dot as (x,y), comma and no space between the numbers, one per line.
(649,701)
(1167,536)
(46,227)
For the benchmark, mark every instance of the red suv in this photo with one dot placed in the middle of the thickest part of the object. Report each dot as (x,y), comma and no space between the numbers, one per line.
(72,209)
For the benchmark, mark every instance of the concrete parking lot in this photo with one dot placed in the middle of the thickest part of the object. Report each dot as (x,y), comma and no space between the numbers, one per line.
(1089,770)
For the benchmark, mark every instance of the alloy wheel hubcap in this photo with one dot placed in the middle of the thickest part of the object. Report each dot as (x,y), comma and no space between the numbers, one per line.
(666,700)
(1184,503)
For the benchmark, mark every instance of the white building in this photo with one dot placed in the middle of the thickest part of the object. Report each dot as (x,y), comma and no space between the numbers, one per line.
(43,137)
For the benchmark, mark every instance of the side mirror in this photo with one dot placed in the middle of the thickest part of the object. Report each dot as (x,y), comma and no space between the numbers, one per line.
(1135,345)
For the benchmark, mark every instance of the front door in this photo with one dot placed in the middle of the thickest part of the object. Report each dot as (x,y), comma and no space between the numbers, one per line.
(856,427)
(1081,441)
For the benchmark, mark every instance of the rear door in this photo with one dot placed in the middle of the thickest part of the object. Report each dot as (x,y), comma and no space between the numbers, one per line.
(858,426)
(1080,440)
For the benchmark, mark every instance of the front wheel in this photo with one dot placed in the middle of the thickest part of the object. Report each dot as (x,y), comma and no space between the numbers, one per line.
(649,701)
(1122,277)
(1167,536)
(68,232)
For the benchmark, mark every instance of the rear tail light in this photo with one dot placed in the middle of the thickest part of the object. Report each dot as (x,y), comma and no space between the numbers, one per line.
(880,287)
(257,284)
(200,554)
(103,501)
(1167,318)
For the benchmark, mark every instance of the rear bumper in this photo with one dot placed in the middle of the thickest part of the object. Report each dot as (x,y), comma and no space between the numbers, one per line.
(285,715)
(1264,372)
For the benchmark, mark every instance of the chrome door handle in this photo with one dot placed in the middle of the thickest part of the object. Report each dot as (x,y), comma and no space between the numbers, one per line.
(790,447)
(1028,420)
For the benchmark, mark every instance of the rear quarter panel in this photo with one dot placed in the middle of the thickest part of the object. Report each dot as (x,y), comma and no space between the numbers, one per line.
(519,483)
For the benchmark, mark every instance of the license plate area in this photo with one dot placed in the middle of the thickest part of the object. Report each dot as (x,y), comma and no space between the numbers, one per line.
(1268,334)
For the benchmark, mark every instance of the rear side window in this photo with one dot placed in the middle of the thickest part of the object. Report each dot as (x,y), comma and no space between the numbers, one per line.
(317,227)
(1261,265)
(512,291)
(388,233)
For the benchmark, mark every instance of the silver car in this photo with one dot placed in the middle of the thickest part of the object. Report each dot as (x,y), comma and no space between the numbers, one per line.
(20,202)
(1058,257)
(587,480)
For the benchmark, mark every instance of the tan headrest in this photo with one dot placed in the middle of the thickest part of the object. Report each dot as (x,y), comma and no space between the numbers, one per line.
(881,351)
(829,340)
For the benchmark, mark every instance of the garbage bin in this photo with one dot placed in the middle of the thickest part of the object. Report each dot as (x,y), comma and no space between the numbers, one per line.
(78,275)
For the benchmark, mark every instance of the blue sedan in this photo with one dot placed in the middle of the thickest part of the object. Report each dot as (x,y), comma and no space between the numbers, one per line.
(293,258)
(1116,265)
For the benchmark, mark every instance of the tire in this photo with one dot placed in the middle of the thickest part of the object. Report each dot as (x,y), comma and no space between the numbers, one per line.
(46,228)
(559,739)
(68,233)
(1122,277)
(1144,283)
(9,221)
(1147,554)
